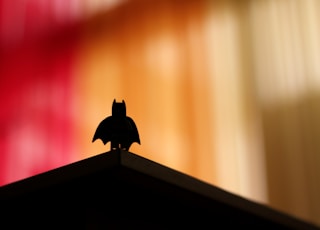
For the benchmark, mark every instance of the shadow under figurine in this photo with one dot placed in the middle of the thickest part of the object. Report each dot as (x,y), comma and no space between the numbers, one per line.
(118,128)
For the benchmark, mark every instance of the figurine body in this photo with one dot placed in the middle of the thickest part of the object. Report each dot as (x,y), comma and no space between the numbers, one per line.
(118,128)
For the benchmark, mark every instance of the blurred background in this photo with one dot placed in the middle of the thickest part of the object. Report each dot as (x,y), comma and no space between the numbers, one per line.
(225,91)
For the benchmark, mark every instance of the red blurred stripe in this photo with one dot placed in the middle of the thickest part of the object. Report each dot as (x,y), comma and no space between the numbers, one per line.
(36,77)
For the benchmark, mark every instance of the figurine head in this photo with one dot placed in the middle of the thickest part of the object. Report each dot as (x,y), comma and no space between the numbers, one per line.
(118,108)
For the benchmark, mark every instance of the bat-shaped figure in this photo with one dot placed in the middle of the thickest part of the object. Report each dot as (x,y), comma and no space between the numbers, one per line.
(118,128)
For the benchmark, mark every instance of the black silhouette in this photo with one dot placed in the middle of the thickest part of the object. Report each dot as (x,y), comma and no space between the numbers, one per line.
(118,128)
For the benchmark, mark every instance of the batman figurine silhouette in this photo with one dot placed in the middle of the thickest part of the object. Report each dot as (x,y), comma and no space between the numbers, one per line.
(119,129)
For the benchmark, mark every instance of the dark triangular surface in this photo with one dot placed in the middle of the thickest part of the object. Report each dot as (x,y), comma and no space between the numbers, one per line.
(120,189)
